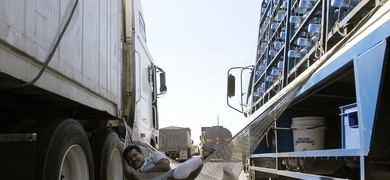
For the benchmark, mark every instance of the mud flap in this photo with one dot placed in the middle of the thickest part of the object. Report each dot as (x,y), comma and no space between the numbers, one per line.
(17,155)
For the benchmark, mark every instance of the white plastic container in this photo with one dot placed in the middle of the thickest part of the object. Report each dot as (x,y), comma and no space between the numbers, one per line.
(308,133)
(294,54)
(344,3)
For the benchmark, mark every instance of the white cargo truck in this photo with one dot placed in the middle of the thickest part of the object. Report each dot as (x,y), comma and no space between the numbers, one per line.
(76,81)
(176,142)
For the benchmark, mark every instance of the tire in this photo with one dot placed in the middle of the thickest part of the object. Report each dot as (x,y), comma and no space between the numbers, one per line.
(107,152)
(63,152)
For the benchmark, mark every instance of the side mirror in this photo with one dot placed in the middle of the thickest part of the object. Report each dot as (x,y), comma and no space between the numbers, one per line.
(231,86)
(163,85)
(231,89)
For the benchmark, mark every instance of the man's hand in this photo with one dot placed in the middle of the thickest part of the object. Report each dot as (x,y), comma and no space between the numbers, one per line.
(130,172)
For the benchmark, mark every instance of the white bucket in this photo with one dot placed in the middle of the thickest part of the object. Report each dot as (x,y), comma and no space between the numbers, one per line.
(308,133)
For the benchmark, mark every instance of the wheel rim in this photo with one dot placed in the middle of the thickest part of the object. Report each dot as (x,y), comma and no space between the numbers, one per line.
(115,169)
(74,164)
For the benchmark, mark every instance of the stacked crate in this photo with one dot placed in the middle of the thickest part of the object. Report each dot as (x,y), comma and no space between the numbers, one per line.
(293,34)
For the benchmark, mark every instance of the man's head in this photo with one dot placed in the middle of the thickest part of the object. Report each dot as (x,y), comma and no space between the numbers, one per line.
(134,156)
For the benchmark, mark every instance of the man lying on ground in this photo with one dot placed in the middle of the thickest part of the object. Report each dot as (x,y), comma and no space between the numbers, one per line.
(157,162)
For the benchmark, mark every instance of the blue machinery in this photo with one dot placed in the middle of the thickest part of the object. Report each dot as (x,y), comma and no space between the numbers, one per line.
(351,90)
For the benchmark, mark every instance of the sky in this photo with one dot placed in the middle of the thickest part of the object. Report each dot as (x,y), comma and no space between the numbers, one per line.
(196,42)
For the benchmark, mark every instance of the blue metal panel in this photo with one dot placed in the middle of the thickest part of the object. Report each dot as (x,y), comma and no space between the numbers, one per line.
(318,153)
(292,174)
(368,71)
(326,71)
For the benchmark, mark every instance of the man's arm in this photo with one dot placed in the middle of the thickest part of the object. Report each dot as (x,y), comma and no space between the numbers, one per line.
(162,165)
(129,171)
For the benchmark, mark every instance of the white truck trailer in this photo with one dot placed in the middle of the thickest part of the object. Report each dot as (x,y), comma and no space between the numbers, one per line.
(318,98)
(176,142)
(76,81)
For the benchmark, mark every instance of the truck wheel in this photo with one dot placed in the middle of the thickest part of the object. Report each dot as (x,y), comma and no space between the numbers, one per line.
(63,151)
(107,154)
